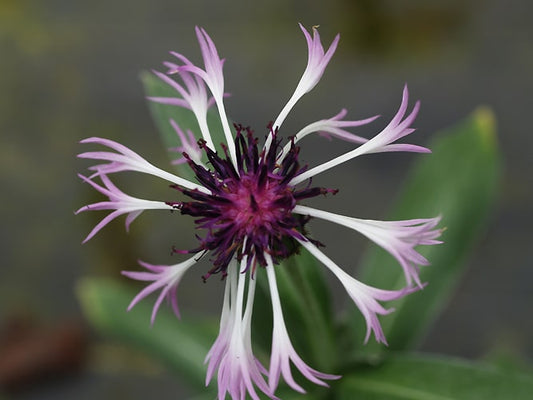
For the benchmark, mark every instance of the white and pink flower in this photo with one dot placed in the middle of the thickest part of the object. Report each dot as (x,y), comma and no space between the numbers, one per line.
(248,203)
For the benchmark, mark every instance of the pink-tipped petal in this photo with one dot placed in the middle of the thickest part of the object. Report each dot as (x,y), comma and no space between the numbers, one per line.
(283,353)
(317,62)
(239,371)
(382,142)
(164,277)
(365,297)
(127,160)
(399,238)
(120,202)
(188,144)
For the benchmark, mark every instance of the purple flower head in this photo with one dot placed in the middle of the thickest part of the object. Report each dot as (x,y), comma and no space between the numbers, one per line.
(253,202)
(248,206)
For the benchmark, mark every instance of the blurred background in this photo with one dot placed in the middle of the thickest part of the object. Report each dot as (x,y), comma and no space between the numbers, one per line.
(70,70)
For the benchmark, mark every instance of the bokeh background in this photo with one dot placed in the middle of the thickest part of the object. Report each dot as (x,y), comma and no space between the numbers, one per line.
(70,70)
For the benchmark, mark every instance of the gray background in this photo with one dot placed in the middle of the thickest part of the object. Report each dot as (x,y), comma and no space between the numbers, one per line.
(70,70)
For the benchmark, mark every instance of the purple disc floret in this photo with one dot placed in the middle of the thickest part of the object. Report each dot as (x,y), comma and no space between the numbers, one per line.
(253,201)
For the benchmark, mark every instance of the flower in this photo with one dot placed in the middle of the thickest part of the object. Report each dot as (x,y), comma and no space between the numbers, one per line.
(247,201)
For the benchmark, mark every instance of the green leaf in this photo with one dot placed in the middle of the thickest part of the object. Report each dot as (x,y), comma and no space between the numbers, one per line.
(162,113)
(181,345)
(424,377)
(307,311)
(458,181)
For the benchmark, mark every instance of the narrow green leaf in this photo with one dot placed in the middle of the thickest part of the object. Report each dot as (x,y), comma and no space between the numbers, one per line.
(458,181)
(181,345)
(424,377)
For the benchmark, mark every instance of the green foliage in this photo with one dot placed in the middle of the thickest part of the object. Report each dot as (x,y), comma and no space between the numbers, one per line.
(180,345)
(423,377)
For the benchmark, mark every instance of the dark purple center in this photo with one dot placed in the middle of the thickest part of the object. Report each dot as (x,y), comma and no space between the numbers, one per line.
(249,209)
